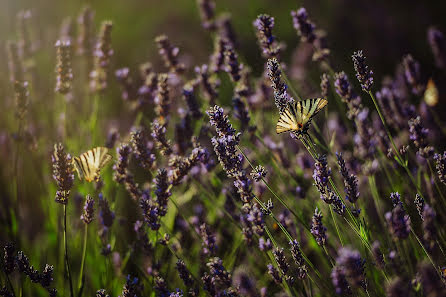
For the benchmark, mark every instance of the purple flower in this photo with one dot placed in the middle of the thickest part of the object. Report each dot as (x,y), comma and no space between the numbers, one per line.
(412,74)
(106,215)
(9,258)
(437,42)
(440,165)
(63,173)
(281,97)
(317,228)
(339,281)
(169,54)
(298,259)
(363,73)
(348,96)
(377,254)
(428,226)
(350,181)
(398,222)
(353,266)
(418,134)
(325,85)
(63,67)
(267,41)
(274,274)
(88,214)
(304,27)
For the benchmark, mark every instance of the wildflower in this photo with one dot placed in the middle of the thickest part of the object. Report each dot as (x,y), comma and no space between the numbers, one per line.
(132,287)
(112,137)
(122,163)
(233,67)
(428,226)
(218,272)
(169,54)
(184,273)
(102,293)
(437,42)
(264,25)
(191,100)
(63,67)
(218,57)
(5,292)
(350,181)
(85,35)
(209,240)
(345,91)
(338,278)
(305,28)
(322,172)
(317,228)
(162,190)
(430,281)
(412,74)
(419,203)
(162,99)
(363,73)
(88,214)
(150,211)
(102,56)
(377,254)
(183,165)
(274,274)
(209,82)
(141,235)
(241,112)
(123,77)
(225,28)
(352,264)
(298,259)
(397,287)
(280,88)
(178,293)
(207,13)
(159,134)
(221,122)
(245,283)
(46,277)
(209,284)
(398,222)
(8,258)
(21,96)
(258,173)
(63,173)
(281,261)
(396,199)
(106,215)
(265,245)
(325,85)
(141,151)
(440,165)
(418,134)
(15,63)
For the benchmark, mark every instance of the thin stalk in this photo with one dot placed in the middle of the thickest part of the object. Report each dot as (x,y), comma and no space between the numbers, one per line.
(67,262)
(397,152)
(274,193)
(81,282)
(424,250)
(336,225)
(10,284)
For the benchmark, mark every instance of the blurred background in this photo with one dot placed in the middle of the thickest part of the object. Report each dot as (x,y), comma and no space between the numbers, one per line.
(385,30)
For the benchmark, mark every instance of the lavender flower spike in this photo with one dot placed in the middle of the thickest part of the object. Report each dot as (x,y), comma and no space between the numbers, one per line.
(363,73)
(305,28)
(440,165)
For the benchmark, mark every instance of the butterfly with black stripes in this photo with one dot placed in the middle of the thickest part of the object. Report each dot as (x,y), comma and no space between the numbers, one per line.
(297,116)
(89,164)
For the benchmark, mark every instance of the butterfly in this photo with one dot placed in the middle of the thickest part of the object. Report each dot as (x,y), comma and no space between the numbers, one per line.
(89,164)
(297,115)
(431,93)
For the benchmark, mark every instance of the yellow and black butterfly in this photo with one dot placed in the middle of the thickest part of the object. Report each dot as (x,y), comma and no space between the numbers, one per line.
(89,164)
(297,115)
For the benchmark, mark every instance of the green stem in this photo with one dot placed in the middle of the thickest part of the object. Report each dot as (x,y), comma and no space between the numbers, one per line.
(67,262)
(81,274)
(424,250)
(336,224)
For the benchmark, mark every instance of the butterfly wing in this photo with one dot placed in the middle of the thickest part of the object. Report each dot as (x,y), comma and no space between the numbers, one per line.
(310,107)
(287,120)
(91,162)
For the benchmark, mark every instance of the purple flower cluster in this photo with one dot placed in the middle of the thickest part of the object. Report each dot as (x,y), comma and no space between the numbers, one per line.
(412,73)
(169,54)
(267,41)
(63,173)
(281,97)
(437,42)
(397,220)
(440,165)
(352,266)
(350,181)
(63,67)
(345,91)
(418,134)
(363,73)
(88,213)
(317,228)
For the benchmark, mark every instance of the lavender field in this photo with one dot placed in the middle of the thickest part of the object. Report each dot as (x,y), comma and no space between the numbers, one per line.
(222,148)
